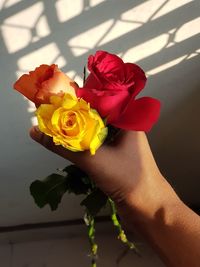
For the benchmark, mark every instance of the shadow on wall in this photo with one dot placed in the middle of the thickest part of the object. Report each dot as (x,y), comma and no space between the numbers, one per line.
(68,41)
(175,139)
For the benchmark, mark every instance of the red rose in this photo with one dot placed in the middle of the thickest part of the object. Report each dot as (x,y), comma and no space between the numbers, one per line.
(111,88)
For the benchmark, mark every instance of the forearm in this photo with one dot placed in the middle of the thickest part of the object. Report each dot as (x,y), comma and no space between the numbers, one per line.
(127,172)
(170,226)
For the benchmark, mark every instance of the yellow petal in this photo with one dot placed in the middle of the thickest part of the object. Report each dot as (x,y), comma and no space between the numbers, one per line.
(70,102)
(44,114)
(55,119)
(56,100)
(84,105)
(72,123)
(98,140)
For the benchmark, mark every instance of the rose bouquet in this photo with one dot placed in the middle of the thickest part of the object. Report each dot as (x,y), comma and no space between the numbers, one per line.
(83,118)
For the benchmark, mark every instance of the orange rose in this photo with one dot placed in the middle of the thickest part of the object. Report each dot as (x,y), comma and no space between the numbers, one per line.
(44,82)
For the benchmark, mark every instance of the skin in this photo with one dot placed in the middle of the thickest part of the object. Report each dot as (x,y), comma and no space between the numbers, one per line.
(126,171)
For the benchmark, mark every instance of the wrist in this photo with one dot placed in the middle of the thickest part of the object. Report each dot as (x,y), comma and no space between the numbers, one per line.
(149,203)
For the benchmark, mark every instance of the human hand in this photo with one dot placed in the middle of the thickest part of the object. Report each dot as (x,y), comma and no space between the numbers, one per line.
(124,169)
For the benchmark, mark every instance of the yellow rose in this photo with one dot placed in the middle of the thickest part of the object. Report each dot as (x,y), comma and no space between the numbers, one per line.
(72,123)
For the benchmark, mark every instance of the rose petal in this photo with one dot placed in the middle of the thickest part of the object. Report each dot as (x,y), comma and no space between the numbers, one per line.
(140,115)
(44,82)
(92,81)
(106,104)
(27,84)
(58,84)
(136,74)
(104,62)
(109,72)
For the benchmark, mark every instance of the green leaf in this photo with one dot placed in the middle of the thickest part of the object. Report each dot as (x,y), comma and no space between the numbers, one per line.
(95,201)
(49,191)
(78,181)
(74,170)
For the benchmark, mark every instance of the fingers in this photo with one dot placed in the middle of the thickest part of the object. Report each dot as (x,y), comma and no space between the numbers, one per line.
(48,143)
(84,160)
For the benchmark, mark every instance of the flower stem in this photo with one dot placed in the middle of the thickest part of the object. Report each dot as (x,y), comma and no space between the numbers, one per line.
(116,223)
(89,221)
(84,75)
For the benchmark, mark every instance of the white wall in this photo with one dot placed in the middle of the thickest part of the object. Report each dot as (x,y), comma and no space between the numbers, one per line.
(161,36)
(70,248)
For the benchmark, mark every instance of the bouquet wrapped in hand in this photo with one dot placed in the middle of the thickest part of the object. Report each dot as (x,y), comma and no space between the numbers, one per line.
(83,118)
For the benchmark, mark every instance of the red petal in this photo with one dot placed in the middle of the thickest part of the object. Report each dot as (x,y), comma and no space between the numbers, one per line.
(140,115)
(136,74)
(106,104)
(92,81)
(104,62)
(108,71)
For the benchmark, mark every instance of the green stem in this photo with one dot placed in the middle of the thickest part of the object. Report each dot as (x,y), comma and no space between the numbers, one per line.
(116,223)
(89,220)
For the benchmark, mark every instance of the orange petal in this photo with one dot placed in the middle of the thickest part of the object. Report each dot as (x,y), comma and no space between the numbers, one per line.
(44,82)
(58,84)
(28,84)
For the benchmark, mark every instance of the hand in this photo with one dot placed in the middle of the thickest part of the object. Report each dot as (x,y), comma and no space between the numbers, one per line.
(120,169)
(126,171)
